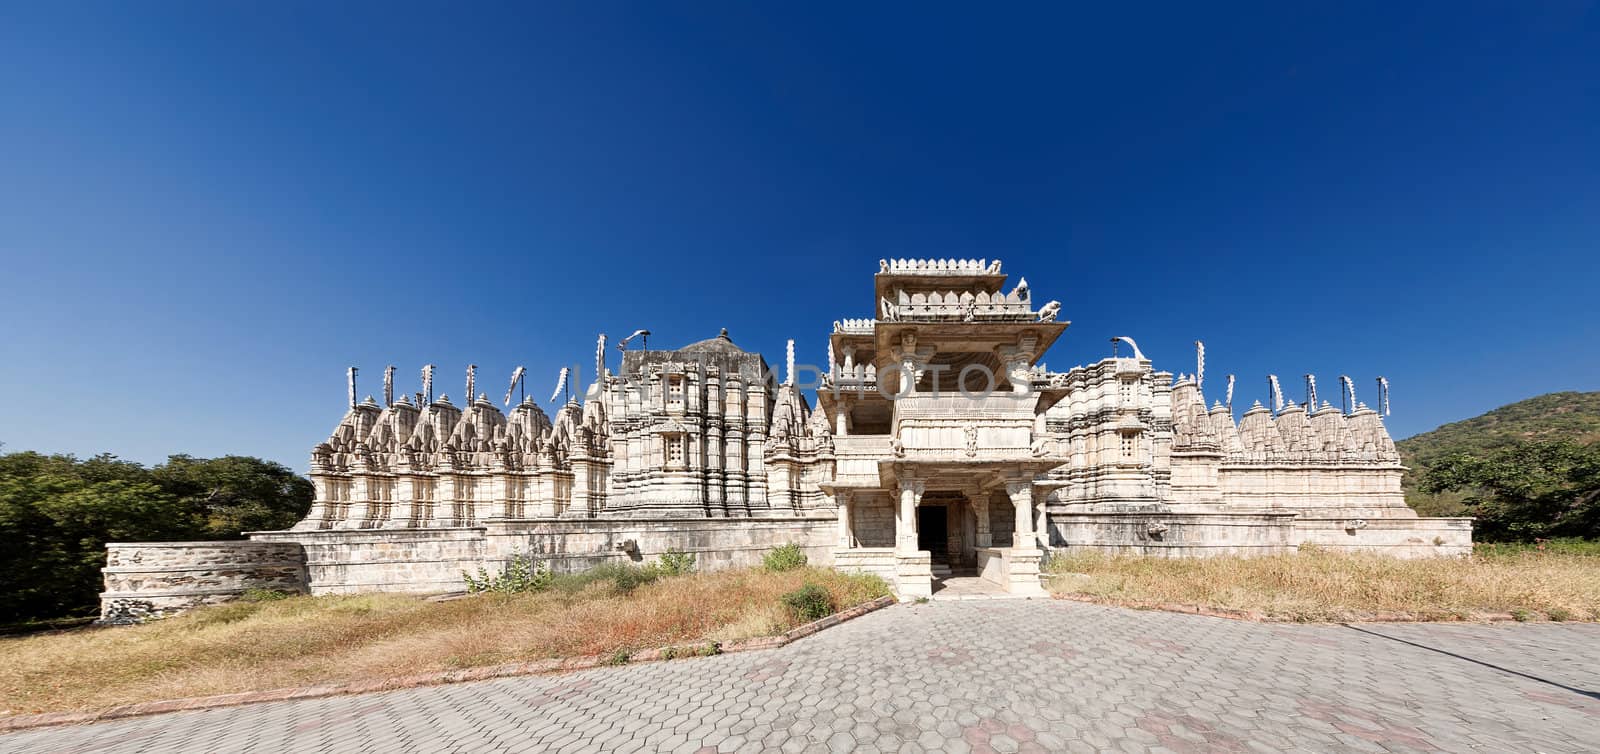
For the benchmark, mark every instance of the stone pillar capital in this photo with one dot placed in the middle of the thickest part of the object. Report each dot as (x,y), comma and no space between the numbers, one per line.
(1018,487)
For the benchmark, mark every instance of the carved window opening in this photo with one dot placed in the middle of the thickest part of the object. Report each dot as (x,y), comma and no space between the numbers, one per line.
(675,390)
(673,450)
(1130,446)
(1125,391)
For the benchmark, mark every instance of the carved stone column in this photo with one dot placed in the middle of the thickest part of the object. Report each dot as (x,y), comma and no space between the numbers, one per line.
(1021,493)
(320,505)
(913,567)
(445,496)
(980,500)
(845,540)
(580,506)
(905,524)
(356,512)
(1023,559)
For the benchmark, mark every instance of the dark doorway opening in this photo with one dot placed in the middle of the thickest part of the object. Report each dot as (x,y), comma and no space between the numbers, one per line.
(933,532)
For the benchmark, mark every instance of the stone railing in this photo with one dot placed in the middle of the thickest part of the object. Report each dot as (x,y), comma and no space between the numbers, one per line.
(939,266)
(854,326)
(958,305)
(855,373)
(146,580)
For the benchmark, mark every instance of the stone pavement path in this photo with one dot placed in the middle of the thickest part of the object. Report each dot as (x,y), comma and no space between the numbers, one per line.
(973,676)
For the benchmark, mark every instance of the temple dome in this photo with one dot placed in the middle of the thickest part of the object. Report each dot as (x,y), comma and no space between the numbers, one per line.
(719,344)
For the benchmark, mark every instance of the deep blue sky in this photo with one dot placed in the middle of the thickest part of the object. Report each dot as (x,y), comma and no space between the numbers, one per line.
(207,213)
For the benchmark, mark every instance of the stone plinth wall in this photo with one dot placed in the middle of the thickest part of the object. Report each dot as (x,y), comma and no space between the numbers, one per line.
(386,560)
(1173,534)
(1316,490)
(577,544)
(1399,537)
(146,580)
(1016,569)
(877,560)
(432,560)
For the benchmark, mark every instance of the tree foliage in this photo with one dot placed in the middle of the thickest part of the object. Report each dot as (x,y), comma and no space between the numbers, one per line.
(1553,416)
(1526,491)
(58,512)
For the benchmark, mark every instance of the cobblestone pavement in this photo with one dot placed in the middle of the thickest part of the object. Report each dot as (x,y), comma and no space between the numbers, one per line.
(973,676)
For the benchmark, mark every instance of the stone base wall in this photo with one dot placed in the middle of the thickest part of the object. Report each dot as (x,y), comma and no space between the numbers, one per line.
(432,560)
(1399,537)
(386,560)
(145,580)
(1173,535)
(876,560)
(1015,569)
(570,545)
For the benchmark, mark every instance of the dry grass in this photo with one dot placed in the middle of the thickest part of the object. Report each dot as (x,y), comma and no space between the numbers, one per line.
(1325,586)
(250,646)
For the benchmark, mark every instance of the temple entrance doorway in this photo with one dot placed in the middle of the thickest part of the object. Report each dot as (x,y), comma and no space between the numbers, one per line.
(933,532)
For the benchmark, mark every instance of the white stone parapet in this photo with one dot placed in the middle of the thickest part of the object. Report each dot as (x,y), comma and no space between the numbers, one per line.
(939,266)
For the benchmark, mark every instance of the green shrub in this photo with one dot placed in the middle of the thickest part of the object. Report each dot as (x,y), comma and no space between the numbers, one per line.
(619,657)
(784,558)
(810,602)
(675,562)
(624,576)
(521,574)
(264,595)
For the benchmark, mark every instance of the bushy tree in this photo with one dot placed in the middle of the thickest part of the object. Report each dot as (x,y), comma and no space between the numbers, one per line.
(58,512)
(234,494)
(1529,490)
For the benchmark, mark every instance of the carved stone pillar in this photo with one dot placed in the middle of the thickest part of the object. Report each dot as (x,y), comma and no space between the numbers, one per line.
(905,524)
(1022,561)
(978,502)
(501,487)
(580,487)
(845,540)
(444,501)
(715,458)
(356,512)
(913,568)
(319,500)
(1021,494)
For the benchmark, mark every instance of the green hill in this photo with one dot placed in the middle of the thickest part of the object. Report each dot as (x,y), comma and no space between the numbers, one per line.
(1553,416)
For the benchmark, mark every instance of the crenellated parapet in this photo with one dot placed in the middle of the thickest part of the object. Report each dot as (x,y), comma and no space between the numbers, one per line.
(939,266)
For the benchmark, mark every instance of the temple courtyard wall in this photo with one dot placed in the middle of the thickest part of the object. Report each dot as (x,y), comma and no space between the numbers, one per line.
(146,580)
(157,579)
(1188,535)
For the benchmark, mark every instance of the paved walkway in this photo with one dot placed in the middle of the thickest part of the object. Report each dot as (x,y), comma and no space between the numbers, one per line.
(968,587)
(974,676)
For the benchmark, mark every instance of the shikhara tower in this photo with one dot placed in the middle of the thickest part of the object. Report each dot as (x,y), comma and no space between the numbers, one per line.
(935,443)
